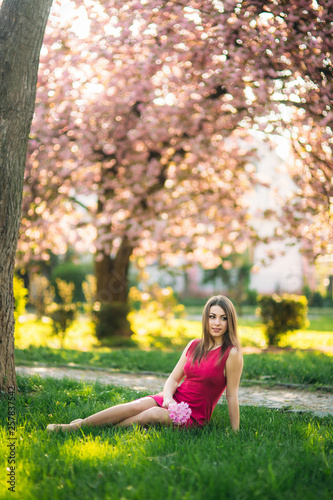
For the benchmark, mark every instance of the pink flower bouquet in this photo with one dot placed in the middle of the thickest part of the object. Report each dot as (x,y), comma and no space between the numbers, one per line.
(179,413)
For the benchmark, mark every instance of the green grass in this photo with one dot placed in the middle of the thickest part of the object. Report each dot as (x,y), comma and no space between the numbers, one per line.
(295,367)
(298,367)
(159,352)
(135,360)
(154,333)
(275,455)
(30,331)
(321,320)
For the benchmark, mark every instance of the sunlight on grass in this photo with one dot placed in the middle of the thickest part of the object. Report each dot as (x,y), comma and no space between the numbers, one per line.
(316,439)
(39,333)
(159,334)
(112,462)
(32,332)
(252,336)
(95,449)
(305,339)
(87,448)
(155,333)
(181,331)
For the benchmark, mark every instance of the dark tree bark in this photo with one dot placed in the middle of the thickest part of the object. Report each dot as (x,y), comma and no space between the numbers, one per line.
(112,292)
(22,26)
(112,276)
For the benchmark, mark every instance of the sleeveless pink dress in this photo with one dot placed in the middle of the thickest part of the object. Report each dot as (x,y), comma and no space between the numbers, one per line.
(203,385)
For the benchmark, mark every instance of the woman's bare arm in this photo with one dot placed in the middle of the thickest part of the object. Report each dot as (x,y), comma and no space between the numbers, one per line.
(234,368)
(174,378)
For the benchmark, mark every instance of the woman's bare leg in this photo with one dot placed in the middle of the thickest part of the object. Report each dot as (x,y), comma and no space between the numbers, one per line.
(116,414)
(154,415)
(112,415)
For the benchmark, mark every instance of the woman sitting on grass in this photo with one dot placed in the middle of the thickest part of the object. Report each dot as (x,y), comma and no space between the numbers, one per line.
(210,365)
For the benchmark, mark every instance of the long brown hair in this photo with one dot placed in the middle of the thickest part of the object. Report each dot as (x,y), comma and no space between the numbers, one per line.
(230,337)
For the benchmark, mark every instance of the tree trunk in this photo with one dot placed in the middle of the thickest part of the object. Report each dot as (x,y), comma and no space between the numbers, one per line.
(112,292)
(112,275)
(22,26)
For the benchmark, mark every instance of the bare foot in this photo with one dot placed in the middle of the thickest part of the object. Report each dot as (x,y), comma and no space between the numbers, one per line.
(73,426)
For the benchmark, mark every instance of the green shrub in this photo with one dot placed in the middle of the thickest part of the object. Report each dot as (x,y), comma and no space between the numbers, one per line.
(157,301)
(63,314)
(316,300)
(89,287)
(282,314)
(71,273)
(252,297)
(20,295)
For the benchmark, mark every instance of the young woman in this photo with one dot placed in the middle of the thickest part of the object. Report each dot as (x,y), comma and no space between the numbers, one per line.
(209,364)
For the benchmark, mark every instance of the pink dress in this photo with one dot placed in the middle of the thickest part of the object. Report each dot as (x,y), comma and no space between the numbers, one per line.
(203,385)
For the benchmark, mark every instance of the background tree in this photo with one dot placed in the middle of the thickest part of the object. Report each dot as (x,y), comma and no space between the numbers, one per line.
(234,273)
(159,173)
(151,113)
(22,25)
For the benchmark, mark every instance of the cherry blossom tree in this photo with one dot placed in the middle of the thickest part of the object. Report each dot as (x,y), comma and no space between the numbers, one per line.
(146,126)
(22,26)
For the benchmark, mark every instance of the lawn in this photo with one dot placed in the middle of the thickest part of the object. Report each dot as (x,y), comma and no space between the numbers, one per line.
(157,349)
(275,455)
(175,334)
(297,367)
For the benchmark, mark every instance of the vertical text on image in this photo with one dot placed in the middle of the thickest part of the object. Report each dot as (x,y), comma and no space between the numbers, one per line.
(11,437)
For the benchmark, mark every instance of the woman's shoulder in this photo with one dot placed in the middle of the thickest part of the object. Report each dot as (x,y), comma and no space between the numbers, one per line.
(235,356)
(191,345)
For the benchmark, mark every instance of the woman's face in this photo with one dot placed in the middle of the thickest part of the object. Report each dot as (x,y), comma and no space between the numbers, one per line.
(217,323)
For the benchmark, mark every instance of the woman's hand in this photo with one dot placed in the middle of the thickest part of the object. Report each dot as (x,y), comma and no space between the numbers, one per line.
(167,401)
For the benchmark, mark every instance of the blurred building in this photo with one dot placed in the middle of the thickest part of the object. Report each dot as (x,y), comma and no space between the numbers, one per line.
(277,266)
